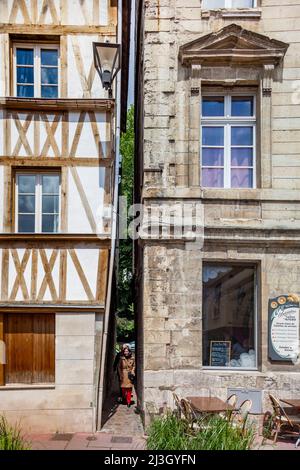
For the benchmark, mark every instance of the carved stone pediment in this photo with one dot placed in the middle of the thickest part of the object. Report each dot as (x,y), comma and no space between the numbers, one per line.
(233,45)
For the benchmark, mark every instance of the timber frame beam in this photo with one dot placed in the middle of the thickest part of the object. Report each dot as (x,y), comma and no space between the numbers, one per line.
(65,104)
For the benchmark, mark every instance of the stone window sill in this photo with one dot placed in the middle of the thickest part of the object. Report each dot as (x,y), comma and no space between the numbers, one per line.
(27,387)
(232,13)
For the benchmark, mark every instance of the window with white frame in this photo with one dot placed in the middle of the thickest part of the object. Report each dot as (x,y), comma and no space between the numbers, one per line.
(212,4)
(37,202)
(228,141)
(36,71)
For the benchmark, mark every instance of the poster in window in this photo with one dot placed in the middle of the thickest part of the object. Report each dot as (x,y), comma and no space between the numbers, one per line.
(219,353)
(284,328)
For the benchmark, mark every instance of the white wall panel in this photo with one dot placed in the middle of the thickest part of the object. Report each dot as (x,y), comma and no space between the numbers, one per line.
(1,198)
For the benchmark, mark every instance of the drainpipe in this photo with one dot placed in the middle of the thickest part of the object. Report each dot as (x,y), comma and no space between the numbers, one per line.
(100,388)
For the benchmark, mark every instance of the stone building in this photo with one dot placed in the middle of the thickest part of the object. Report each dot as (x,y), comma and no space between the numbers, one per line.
(58,166)
(218,108)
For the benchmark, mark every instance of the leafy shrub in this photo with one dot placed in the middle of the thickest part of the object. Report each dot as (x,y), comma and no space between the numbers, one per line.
(10,437)
(172,433)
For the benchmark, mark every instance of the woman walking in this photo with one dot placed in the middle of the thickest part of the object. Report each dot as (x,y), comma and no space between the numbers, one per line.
(126,369)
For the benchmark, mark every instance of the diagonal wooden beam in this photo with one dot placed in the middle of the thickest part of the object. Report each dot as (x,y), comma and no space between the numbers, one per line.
(50,130)
(19,4)
(84,200)
(81,274)
(77,134)
(20,269)
(48,279)
(22,129)
(48,5)
(96,134)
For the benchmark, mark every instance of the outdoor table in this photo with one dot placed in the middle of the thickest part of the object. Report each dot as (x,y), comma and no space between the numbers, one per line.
(209,405)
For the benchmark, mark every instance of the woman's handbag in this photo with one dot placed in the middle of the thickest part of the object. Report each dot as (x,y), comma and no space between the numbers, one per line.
(131,377)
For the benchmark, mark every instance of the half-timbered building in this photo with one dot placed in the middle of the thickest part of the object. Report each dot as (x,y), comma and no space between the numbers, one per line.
(57,173)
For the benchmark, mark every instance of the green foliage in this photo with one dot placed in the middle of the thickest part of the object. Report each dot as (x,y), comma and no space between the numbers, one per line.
(10,437)
(171,433)
(125,310)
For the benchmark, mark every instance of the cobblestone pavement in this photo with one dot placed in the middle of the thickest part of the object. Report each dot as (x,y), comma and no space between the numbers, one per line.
(122,430)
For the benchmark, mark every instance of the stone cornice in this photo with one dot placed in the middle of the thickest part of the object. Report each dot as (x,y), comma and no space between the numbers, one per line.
(233,45)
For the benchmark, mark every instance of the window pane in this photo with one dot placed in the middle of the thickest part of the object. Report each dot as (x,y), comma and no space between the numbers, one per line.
(212,177)
(213,106)
(212,156)
(50,223)
(24,56)
(242,3)
(241,157)
(26,223)
(49,91)
(25,75)
(213,136)
(242,106)
(50,184)
(50,204)
(26,204)
(26,184)
(49,76)
(209,4)
(242,135)
(229,316)
(49,57)
(25,91)
(241,178)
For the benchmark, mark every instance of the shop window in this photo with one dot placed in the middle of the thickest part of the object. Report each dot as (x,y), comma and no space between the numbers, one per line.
(29,348)
(229,316)
(228,141)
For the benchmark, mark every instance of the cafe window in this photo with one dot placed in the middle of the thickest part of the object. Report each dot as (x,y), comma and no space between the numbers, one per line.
(29,340)
(228,141)
(229,316)
(211,4)
(36,71)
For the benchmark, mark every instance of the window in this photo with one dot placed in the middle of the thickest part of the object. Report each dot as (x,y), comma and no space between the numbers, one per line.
(37,202)
(228,151)
(211,4)
(30,348)
(36,71)
(229,316)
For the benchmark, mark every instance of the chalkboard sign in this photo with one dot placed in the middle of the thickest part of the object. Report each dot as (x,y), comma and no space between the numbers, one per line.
(219,353)
(284,312)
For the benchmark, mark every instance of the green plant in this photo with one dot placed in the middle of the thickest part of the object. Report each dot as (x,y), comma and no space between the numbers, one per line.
(11,437)
(172,433)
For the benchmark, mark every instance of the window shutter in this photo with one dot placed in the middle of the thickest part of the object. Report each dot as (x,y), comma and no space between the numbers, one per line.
(30,348)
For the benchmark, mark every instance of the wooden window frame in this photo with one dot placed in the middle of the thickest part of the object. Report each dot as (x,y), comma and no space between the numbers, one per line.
(36,66)
(227,121)
(38,199)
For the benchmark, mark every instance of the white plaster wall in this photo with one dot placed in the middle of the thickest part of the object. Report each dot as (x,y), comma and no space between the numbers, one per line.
(78,86)
(69,405)
(92,180)
(2,65)
(15,135)
(86,144)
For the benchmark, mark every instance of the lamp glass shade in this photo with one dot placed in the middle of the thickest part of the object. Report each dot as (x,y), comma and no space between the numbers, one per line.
(107,62)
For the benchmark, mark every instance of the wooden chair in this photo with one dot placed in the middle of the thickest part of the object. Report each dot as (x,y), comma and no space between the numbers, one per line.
(178,407)
(189,414)
(241,417)
(232,400)
(282,419)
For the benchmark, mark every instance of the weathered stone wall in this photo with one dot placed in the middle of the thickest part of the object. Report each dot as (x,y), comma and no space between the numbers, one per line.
(171,281)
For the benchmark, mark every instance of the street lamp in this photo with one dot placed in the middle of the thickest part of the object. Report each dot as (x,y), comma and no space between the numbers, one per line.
(107,62)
